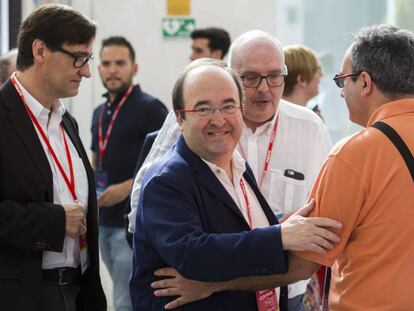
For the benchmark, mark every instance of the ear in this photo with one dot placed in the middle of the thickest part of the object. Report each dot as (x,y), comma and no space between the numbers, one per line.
(367,84)
(300,81)
(135,68)
(39,50)
(217,54)
(179,118)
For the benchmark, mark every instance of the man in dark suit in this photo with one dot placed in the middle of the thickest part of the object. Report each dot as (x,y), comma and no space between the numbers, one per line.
(201,211)
(49,236)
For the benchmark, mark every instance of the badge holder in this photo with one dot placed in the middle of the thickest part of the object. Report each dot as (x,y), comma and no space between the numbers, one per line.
(267,300)
(101,179)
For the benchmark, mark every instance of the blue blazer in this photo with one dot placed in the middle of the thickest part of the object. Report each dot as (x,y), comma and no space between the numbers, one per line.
(187,220)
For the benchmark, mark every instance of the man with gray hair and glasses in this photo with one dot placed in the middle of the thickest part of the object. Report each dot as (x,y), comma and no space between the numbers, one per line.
(367,184)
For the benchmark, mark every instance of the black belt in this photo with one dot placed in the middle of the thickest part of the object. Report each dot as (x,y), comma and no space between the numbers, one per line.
(61,276)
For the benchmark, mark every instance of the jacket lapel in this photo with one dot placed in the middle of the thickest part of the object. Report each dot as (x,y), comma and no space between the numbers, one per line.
(21,122)
(206,178)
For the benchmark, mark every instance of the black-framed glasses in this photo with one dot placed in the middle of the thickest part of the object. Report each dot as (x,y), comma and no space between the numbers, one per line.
(79,59)
(253,80)
(340,78)
(206,111)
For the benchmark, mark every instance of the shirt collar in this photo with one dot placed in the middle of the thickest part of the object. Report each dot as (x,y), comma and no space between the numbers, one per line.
(38,110)
(237,162)
(118,96)
(391,109)
(266,127)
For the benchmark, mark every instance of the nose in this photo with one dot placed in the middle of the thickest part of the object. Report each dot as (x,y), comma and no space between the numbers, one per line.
(342,93)
(263,87)
(85,71)
(192,56)
(217,118)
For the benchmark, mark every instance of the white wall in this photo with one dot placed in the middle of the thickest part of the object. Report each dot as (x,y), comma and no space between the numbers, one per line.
(160,59)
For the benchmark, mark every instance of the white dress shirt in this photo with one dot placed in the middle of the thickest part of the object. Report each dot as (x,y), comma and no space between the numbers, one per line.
(258,217)
(301,145)
(70,256)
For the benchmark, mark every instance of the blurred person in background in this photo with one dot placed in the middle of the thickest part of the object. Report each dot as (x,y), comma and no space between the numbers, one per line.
(209,42)
(7,65)
(119,127)
(304,76)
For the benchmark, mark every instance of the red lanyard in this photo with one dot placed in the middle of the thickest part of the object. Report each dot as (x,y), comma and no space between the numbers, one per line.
(268,153)
(69,182)
(103,142)
(246,199)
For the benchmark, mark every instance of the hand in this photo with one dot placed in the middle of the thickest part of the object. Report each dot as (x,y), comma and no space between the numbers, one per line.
(307,234)
(75,220)
(177,285)
(115,193)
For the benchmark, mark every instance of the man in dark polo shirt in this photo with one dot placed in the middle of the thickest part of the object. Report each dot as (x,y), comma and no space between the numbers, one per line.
(119,127)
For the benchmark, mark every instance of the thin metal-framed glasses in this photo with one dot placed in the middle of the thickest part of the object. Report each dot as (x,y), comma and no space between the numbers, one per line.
(340,78)
(205,111)
(253,80)
(79,59)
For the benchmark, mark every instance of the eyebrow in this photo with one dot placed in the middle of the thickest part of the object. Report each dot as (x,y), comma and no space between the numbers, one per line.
(277,71)
(207,102)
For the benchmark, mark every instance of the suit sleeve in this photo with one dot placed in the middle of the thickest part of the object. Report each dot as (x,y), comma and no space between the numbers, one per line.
(32,226)
(174,228)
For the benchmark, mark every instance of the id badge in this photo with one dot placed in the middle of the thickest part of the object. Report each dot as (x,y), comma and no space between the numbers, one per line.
(101,179)
(267,300)
(84,255)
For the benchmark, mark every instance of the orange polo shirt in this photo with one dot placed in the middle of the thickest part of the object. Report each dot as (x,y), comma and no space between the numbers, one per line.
(365,184)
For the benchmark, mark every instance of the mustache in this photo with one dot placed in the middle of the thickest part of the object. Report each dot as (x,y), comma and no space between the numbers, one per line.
(112,78)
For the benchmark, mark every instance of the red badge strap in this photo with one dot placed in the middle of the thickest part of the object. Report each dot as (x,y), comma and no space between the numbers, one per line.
(103,141)
(266,299)
(69,182)
(246,200)
(268,153)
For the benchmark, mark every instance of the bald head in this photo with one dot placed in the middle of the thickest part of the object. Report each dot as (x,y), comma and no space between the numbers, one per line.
(249,41)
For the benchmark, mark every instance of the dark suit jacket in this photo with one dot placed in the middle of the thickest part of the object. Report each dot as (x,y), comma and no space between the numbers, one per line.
(29,221)
(182,214)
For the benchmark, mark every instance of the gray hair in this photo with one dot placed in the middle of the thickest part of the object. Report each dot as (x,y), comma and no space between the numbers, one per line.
(387,54)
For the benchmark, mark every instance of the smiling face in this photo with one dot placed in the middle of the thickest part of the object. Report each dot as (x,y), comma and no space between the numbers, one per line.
(213,137)
(260,56)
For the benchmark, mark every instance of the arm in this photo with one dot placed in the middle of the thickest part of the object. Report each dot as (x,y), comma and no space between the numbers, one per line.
(32,226)
(178,236)
(171,211)
(189,290)
(115,193)
(166,137)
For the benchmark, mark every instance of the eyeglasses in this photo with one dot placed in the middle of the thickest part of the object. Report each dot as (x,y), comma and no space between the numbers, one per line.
(252,80)
(340,78)
(79,59)
(206,111)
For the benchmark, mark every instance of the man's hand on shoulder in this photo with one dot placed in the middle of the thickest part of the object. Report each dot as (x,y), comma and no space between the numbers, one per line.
(301,233)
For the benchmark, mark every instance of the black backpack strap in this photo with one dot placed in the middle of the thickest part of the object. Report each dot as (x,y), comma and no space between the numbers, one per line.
(398,143)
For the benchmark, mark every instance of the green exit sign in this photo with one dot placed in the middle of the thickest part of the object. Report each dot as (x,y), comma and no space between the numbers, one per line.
(177,27)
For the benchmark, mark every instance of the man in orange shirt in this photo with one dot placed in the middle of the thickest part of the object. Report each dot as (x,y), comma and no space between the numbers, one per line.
(365,184)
